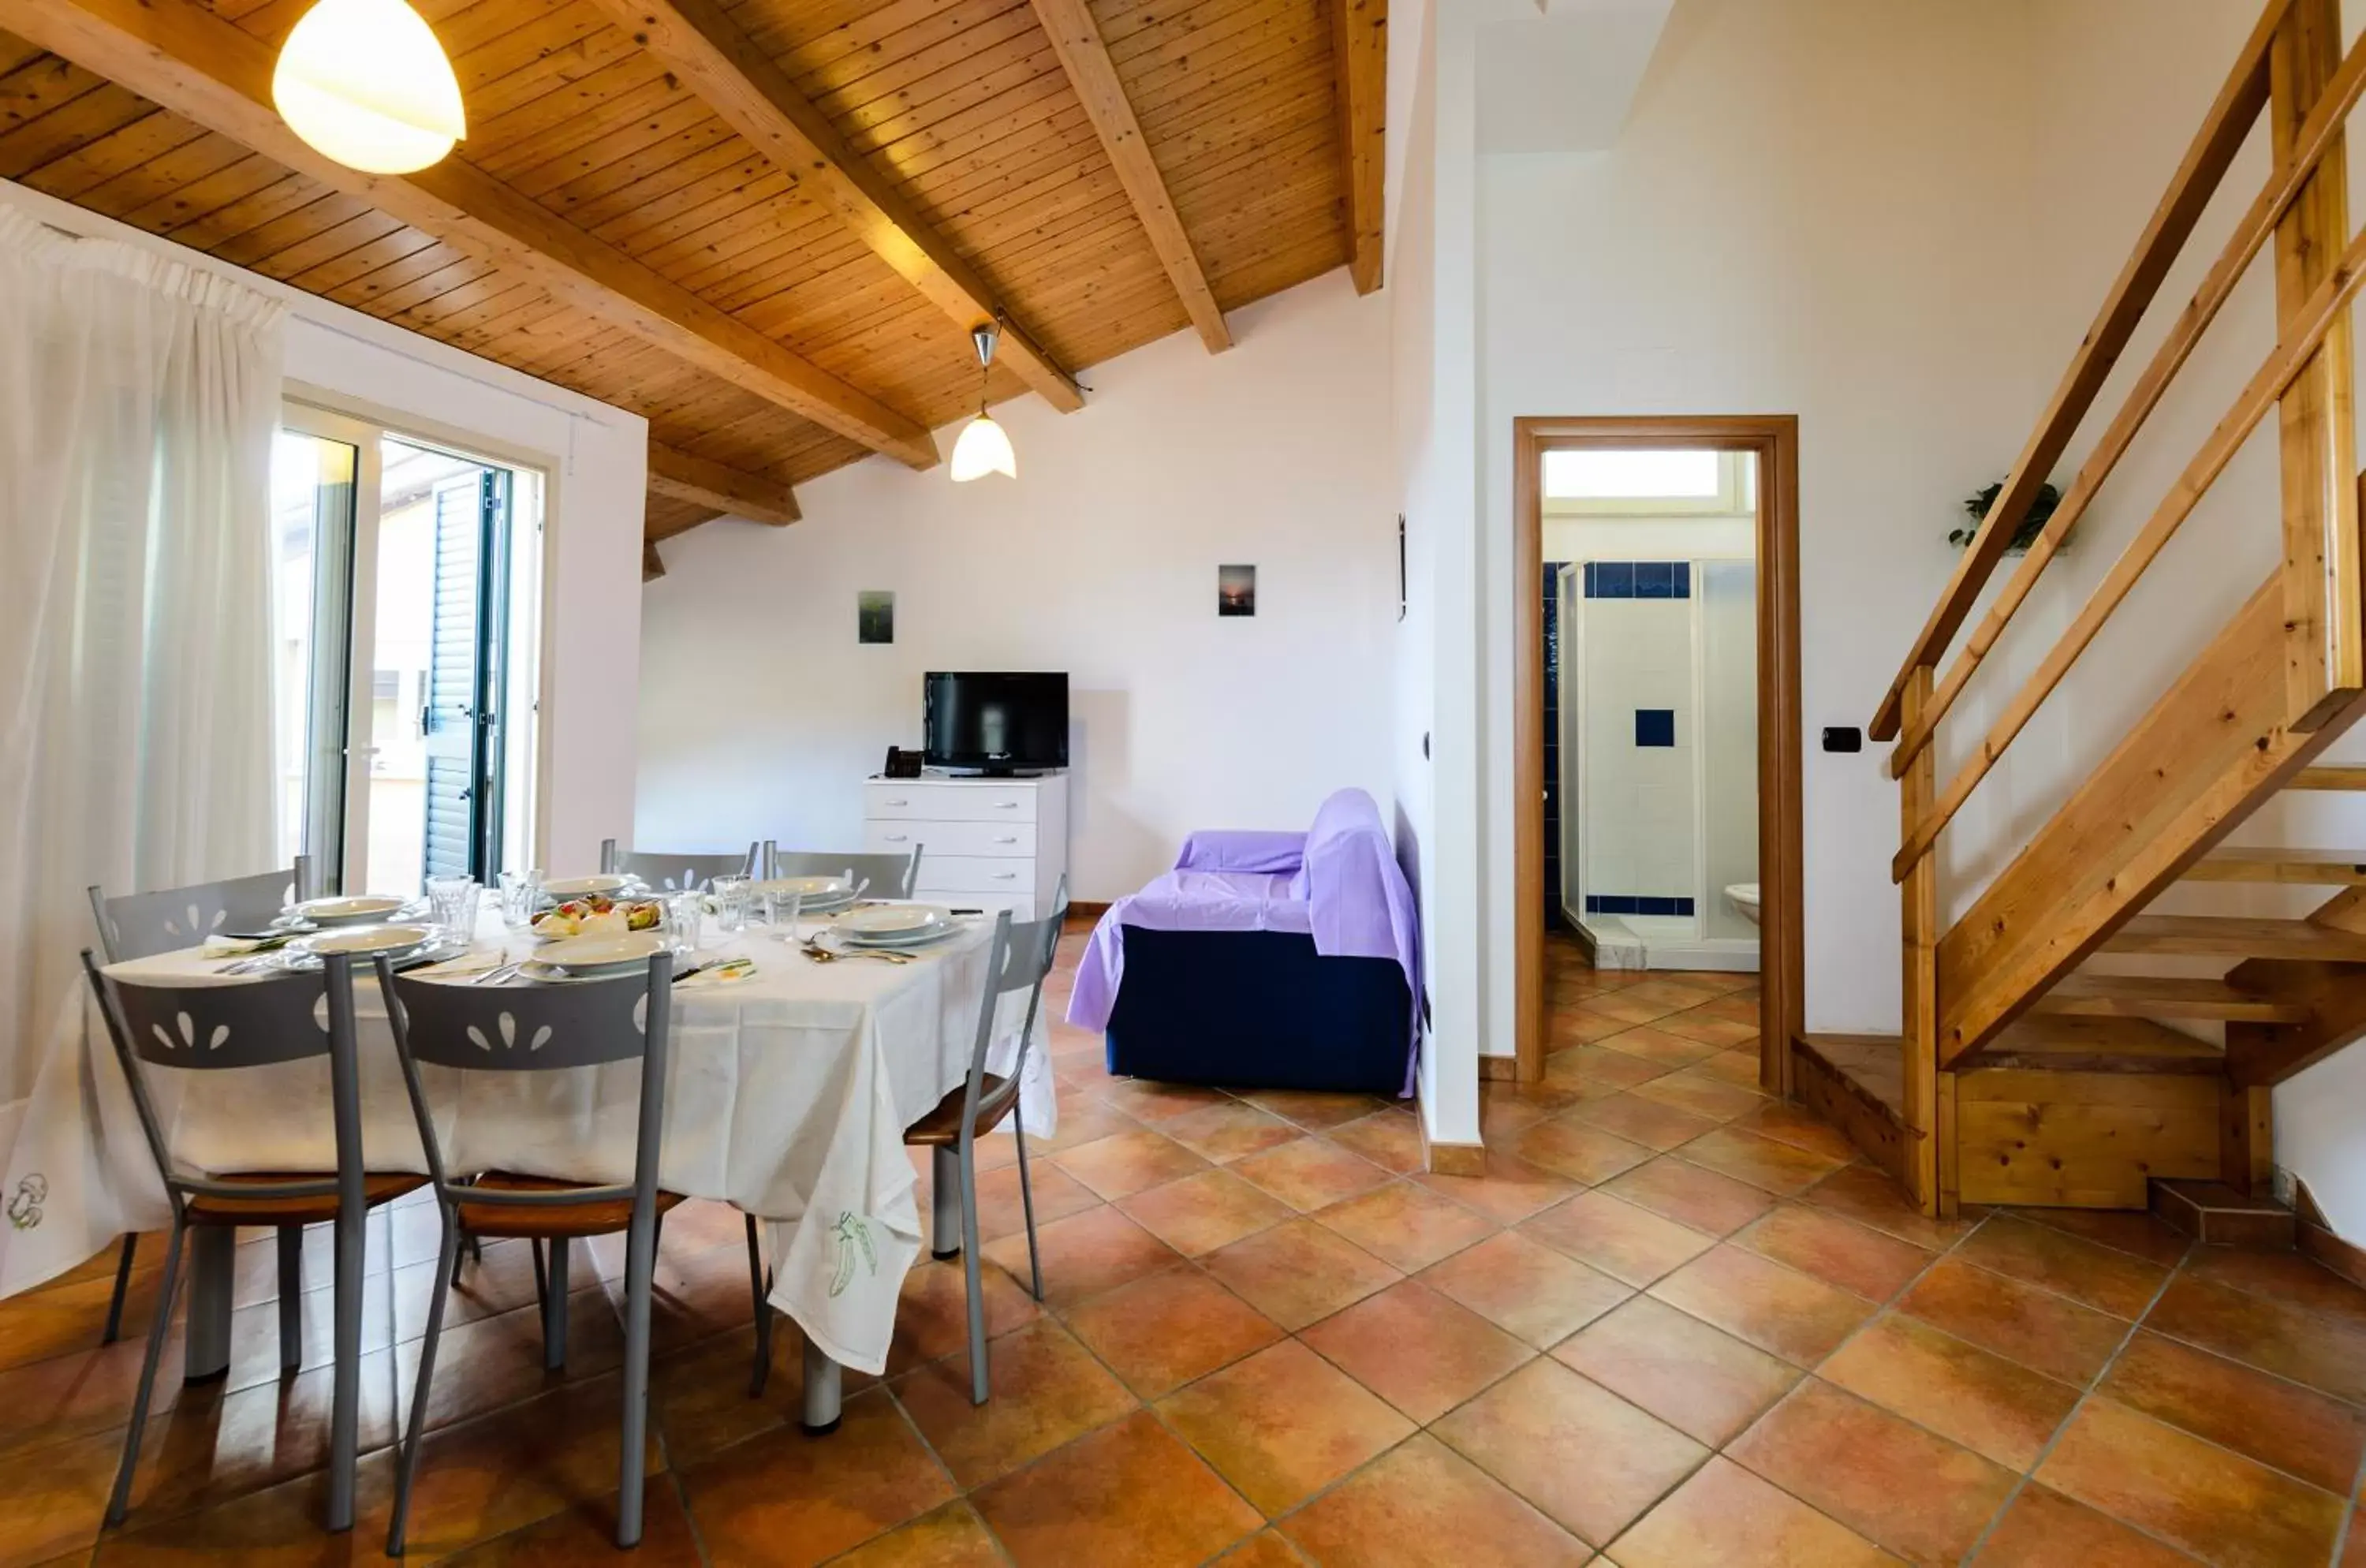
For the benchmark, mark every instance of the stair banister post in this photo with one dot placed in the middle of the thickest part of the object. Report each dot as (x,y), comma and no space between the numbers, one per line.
(1930,1157)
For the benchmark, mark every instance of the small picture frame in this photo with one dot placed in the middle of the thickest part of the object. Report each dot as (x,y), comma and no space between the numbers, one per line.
(1236,590)
(874,615)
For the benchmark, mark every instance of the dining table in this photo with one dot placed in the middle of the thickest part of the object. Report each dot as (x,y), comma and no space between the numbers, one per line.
(790,1083)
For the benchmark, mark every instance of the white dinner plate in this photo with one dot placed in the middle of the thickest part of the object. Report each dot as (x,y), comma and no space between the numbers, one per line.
(814,890)
(599,885)
(368,909)
(364,941)
(600,955)
(882,920)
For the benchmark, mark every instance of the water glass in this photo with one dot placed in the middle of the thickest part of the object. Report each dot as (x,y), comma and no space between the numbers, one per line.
(731,896)
(684,913)
(521,891)
(781,911)
(452,905)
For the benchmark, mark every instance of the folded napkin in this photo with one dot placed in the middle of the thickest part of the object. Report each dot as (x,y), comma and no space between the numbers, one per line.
(235,947)
(467,964)
(721,975)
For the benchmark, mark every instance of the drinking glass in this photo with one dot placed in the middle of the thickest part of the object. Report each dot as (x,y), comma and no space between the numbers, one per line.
(452,905)
(521,891)
(730,902)
(781,912)
(683,912)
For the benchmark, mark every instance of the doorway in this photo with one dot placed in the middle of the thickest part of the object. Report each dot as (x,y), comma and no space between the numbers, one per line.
(407,685)
(1701,687)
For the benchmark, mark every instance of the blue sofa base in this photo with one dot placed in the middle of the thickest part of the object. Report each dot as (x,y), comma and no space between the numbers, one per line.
(1257,1009)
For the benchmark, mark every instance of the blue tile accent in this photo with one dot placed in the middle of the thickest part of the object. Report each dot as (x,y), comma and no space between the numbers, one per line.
(1553,573)
(1638,580)
(1655,727)
(1684,579)
(1655,580)
(1614,579)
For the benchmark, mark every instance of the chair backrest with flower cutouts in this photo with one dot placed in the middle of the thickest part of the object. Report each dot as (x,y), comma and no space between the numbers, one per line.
(142,925)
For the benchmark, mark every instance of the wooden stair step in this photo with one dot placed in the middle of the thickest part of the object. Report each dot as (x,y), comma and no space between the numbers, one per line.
(2166,996)
(1857,1083)
(2237,936)
(2218,1215)
(2328,778)
(2324,868)
(2059,1043)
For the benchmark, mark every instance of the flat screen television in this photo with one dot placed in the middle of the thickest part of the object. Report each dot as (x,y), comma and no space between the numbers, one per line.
(997,722)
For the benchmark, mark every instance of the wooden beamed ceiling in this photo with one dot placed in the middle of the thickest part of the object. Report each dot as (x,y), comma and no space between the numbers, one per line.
(766,225)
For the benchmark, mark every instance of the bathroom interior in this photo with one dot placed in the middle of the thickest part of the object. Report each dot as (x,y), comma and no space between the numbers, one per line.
(1650,697)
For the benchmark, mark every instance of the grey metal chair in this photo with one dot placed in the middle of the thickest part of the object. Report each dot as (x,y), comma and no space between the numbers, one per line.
(527,1027)
(254,1023)
(142,925)
(889,876)
(678,873)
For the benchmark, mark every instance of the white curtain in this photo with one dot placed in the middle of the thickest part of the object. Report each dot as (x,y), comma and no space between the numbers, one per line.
(139,398)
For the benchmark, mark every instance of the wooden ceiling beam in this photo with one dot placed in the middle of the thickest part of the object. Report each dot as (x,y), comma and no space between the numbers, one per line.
(185,59)
(700,44)
(1359,53)
(652,563)
(678,476)
(1077,38)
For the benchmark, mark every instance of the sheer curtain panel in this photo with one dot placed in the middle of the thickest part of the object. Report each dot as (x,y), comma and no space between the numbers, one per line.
(138,400)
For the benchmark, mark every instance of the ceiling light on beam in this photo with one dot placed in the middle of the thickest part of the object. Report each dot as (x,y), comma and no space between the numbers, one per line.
(366,82)
(984,446)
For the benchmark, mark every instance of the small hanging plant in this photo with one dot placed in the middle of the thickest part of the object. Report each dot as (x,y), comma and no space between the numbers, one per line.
(1978,504)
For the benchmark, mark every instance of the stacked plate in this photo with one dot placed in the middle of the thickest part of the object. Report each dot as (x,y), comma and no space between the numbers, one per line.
(592,957)
(895,925)
(361,943)
(816,895)
(603,885)
(366,909)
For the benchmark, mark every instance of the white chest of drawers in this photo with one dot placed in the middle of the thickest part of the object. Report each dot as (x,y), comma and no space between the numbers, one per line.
(984,843)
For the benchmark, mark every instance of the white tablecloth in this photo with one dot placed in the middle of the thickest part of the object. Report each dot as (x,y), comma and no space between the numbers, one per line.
(789,1094)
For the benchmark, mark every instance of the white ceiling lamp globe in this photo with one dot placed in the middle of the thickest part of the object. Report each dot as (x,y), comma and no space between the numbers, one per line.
(984,448)
(365,82)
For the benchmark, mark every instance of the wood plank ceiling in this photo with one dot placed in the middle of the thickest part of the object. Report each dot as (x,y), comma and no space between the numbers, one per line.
(766,225)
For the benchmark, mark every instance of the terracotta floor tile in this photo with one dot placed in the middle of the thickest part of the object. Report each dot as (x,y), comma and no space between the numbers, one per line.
(1644,1121)
(1726,1518)
(1866,1195)
(2122,1231)
(1389,1139)
(1506,1107)
(2281,1276)
(2291,1341)
(1788,1123)
(1702,1093)
(1836,1250)
(932,1311)
(1129,1493)
(2282,1424)
(587,1531)
(1406,1224)
(1149,1102)
(1226,1131)
(76,1396)
(1283,1424)
(1775,1308)
(1707,1385)
(2086,1271)
(1627,1243)
(1584,1023)
(1081,1124)
(999,1211)
(1047,1389)
(1725,1033)
(1567,1146)
(1740,1068)
(1591,1461)
(1085,1255)
(1315,1110)
(2217,1504)
(2046,1530)
(1202,1212)
(1658,1046)
(1424,1506)
(1690,1195)
(1310,1173)
(1993,1406)
(52,1499)
(1763,1162)
(1600,1070)
(278,1528)
(1920,1496)
(1298,1271)
(2044,1332)
(1160,1332)
(698,1397)
(1412,1347)
(1268,1549)
(950,1537)
(1509,1192)
(1525,1288)
(1128,1162)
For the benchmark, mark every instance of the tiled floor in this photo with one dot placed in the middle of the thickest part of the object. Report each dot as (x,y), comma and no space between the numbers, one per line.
(1673,1326)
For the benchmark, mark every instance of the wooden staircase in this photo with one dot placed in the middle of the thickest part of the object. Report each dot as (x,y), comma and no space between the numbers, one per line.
(2019,1076)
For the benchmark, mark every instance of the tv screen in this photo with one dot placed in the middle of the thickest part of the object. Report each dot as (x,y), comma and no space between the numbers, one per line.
(998,722)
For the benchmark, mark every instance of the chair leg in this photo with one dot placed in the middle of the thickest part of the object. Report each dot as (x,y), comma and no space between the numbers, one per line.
(944,1200)
(447,1264)
(541,1283)
(346,1396)
(1027,1205)
(763,1370)
(122,1287)
(121,1497)
(975,1311)
(640,1263)
(554,1308)
(291,1297)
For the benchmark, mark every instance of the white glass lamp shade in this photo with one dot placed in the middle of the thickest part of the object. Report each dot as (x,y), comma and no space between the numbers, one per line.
(365,82)
(984,448)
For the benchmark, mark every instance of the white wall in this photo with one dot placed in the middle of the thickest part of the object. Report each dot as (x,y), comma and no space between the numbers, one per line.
(597,458)
(761,715)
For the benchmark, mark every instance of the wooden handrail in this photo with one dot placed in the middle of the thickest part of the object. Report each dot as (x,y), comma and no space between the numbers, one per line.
(2322,127)
(2232,114)
(2324,307)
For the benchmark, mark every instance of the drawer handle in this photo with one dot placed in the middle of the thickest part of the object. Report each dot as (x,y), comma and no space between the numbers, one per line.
(897,838)
(899,802)
(1006,806)
(1005,876)
(1006,837)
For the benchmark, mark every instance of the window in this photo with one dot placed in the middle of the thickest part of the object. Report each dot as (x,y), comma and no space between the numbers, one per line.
(1632,482)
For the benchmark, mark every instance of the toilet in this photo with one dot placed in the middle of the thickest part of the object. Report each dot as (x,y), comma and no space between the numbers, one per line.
(1743,897)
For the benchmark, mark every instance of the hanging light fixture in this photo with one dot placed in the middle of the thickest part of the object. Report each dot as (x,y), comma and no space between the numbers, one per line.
(984,448)
(365,82)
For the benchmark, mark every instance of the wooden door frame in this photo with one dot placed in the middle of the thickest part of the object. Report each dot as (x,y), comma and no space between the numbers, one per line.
(1774,439)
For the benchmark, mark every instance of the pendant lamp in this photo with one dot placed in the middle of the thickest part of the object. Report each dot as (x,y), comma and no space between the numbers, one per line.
(365,82)
(984,446)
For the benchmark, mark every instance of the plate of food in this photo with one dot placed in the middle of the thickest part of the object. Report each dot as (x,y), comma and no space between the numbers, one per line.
(361,909)
(595,916)
(603,884)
